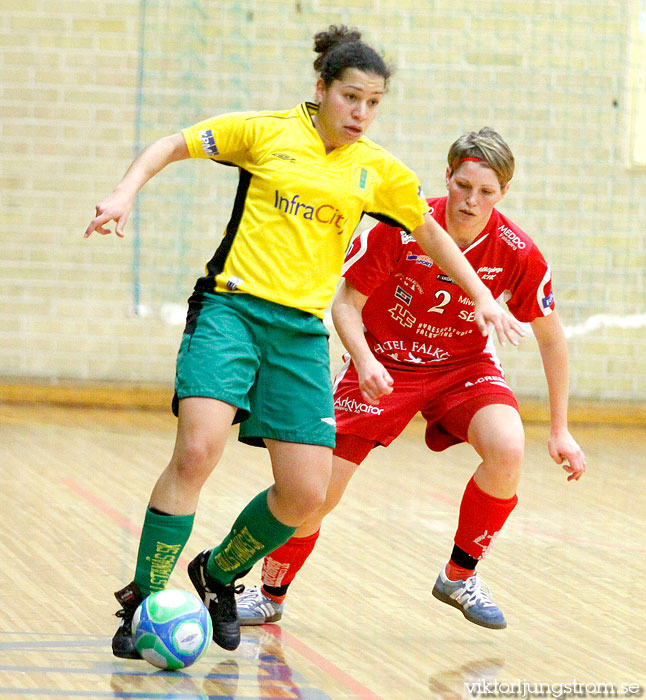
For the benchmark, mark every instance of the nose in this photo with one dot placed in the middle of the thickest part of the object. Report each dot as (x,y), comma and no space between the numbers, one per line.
(360,110)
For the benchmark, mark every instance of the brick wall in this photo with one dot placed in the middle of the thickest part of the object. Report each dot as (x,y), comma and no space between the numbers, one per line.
(84,84)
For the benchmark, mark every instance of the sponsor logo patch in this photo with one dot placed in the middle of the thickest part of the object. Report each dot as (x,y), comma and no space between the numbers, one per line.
(548,300)
(284,156)
(353,406)
(326,214)
(208,142)
(403,295)
(420,259)
(510,237)
(488,273)
(499,381)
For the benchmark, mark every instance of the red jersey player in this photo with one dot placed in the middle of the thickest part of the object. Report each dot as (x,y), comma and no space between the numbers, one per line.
(414,347)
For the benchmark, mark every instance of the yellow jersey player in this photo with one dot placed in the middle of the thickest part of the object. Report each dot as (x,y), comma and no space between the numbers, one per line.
(255,349)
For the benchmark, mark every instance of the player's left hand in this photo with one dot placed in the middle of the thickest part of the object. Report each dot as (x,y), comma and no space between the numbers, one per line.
(564,450)
(487,310)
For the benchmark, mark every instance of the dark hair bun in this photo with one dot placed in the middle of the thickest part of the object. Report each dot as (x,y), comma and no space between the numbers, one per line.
(333,36)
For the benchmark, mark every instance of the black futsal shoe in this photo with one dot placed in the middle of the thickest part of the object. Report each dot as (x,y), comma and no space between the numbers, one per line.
(123,643)
(220,601)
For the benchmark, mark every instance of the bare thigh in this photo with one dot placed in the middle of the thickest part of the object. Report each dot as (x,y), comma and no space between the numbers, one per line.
(202,429)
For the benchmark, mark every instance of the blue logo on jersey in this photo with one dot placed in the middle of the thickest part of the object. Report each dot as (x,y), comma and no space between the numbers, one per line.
(405,296)
(548,300)
(208,142)
(420,259)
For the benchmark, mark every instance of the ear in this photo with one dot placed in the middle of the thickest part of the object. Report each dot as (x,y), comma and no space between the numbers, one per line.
(504,191)
(449,172)
(320,90)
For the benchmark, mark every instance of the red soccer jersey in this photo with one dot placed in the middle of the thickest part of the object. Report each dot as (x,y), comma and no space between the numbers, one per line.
(416,315)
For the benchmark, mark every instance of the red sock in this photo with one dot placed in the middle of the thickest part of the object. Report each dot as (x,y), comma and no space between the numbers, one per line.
(457,573)
(281,566)
(481,519)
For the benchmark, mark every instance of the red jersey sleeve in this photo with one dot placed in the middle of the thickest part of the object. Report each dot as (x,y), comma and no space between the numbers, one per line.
(372,256)
(532,296)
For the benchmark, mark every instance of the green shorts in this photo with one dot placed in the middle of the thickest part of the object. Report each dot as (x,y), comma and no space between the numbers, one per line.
(270,361)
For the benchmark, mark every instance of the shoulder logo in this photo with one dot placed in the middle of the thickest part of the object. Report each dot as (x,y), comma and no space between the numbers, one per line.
(284,156)
(208,142)
(510,237)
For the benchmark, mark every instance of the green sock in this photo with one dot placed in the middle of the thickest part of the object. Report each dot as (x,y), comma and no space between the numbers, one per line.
(256,532)
(162,540)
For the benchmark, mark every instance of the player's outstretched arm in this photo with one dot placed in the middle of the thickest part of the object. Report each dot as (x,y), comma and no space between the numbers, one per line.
(374,379)
(552,344)
(117,205)
(437,244)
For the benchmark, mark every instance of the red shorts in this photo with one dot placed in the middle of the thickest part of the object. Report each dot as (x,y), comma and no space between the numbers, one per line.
(447,398)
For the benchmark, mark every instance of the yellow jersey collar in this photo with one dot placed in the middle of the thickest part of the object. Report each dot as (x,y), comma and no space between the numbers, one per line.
(307,110)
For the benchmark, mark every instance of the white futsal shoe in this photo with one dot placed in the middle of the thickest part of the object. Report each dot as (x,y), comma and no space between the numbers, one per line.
(471,598)
(255,608)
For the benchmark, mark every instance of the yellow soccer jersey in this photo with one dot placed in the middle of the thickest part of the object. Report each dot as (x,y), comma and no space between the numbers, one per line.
(296,206)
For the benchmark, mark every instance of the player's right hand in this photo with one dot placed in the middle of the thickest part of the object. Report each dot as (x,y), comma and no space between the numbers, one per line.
(374,380)
(488,311)
(115,207)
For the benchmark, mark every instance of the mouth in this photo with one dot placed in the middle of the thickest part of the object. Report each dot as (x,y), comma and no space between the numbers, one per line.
(466,212)
(354,131)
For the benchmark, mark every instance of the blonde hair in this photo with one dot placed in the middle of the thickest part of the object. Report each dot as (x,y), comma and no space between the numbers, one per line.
(486,145)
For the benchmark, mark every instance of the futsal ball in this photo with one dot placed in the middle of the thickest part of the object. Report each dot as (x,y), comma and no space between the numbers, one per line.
(172,629)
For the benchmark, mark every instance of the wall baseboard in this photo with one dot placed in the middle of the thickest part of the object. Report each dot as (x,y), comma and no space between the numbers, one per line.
(158,397)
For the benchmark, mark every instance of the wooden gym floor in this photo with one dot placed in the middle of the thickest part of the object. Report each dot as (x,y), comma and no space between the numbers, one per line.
(569,570)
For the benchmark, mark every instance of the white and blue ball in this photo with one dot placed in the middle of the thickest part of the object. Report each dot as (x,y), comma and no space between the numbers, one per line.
(172,629)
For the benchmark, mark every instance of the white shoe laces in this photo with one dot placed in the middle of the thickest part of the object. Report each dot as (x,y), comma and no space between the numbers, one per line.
(475,592)
(250,597)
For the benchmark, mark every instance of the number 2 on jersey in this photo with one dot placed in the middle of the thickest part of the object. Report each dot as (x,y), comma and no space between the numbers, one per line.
(445,299)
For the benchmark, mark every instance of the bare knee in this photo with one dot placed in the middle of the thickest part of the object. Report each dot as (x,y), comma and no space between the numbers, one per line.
(329,504)
(194,462)
(500,470)
(508,456)
(296,503)
(308,500)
